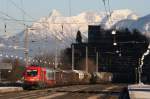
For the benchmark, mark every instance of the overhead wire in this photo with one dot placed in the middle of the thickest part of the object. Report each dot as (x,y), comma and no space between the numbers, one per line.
(70,13)
(23,14)
(104,2)
(69,7)
(22,21)
(31,21)
(109,8)
(11,26)
(11,18)
(107,11)
(110,12)
(22,10)
(5,24)
(19,22)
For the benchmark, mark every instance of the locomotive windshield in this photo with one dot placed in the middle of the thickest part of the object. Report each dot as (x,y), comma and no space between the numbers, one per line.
(32,72)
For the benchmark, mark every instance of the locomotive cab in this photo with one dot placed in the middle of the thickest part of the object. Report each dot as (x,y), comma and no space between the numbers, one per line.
(33,76)
(40,77)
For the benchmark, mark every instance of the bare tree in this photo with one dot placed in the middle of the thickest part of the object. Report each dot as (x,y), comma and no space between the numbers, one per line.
(65,59)
(45,60)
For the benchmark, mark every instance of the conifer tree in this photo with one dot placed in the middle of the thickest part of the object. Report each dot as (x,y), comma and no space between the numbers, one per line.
(78,37)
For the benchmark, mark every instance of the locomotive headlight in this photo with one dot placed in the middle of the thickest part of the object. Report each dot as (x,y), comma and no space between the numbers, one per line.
(34,79)
(37,79)
(31,79)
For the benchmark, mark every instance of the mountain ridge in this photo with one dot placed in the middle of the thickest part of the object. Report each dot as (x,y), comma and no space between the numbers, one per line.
(56,30)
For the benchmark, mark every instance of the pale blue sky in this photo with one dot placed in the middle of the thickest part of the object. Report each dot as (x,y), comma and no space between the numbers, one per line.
(40,8)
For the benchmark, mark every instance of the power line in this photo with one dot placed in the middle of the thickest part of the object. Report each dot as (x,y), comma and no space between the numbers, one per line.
(12,18)
(42,22)
(109,8)
(22,10)
(31,21)
(108,11)
(23,16)
(69,7)
(104,2)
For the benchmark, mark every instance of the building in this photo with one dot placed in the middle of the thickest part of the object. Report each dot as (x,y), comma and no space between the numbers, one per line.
(113,51)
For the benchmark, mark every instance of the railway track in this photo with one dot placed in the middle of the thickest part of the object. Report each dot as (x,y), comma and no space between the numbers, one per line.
(98,91)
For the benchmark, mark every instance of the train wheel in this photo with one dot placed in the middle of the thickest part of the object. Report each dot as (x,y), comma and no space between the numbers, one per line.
(41,85)
(25,87)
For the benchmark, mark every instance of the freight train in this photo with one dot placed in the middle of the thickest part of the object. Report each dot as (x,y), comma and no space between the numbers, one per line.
(42,77)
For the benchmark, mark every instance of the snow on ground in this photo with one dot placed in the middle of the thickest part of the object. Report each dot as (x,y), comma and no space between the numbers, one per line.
(10,89)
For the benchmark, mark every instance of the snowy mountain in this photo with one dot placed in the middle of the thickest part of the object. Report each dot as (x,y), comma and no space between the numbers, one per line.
(118,15)
(142,24)
(65,28)
(56,30)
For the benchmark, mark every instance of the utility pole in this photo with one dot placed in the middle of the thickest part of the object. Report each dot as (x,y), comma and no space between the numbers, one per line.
(72,57)
(97,54)
(86,69)
(0,76)
(56,57)
(26,46)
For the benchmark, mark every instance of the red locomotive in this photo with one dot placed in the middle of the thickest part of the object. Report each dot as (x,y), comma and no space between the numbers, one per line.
(36,76)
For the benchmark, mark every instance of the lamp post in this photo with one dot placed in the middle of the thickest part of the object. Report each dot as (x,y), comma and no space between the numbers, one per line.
(72,57)
(56,57)
(97,58)
(114,39)
(86,64)
(26,45)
